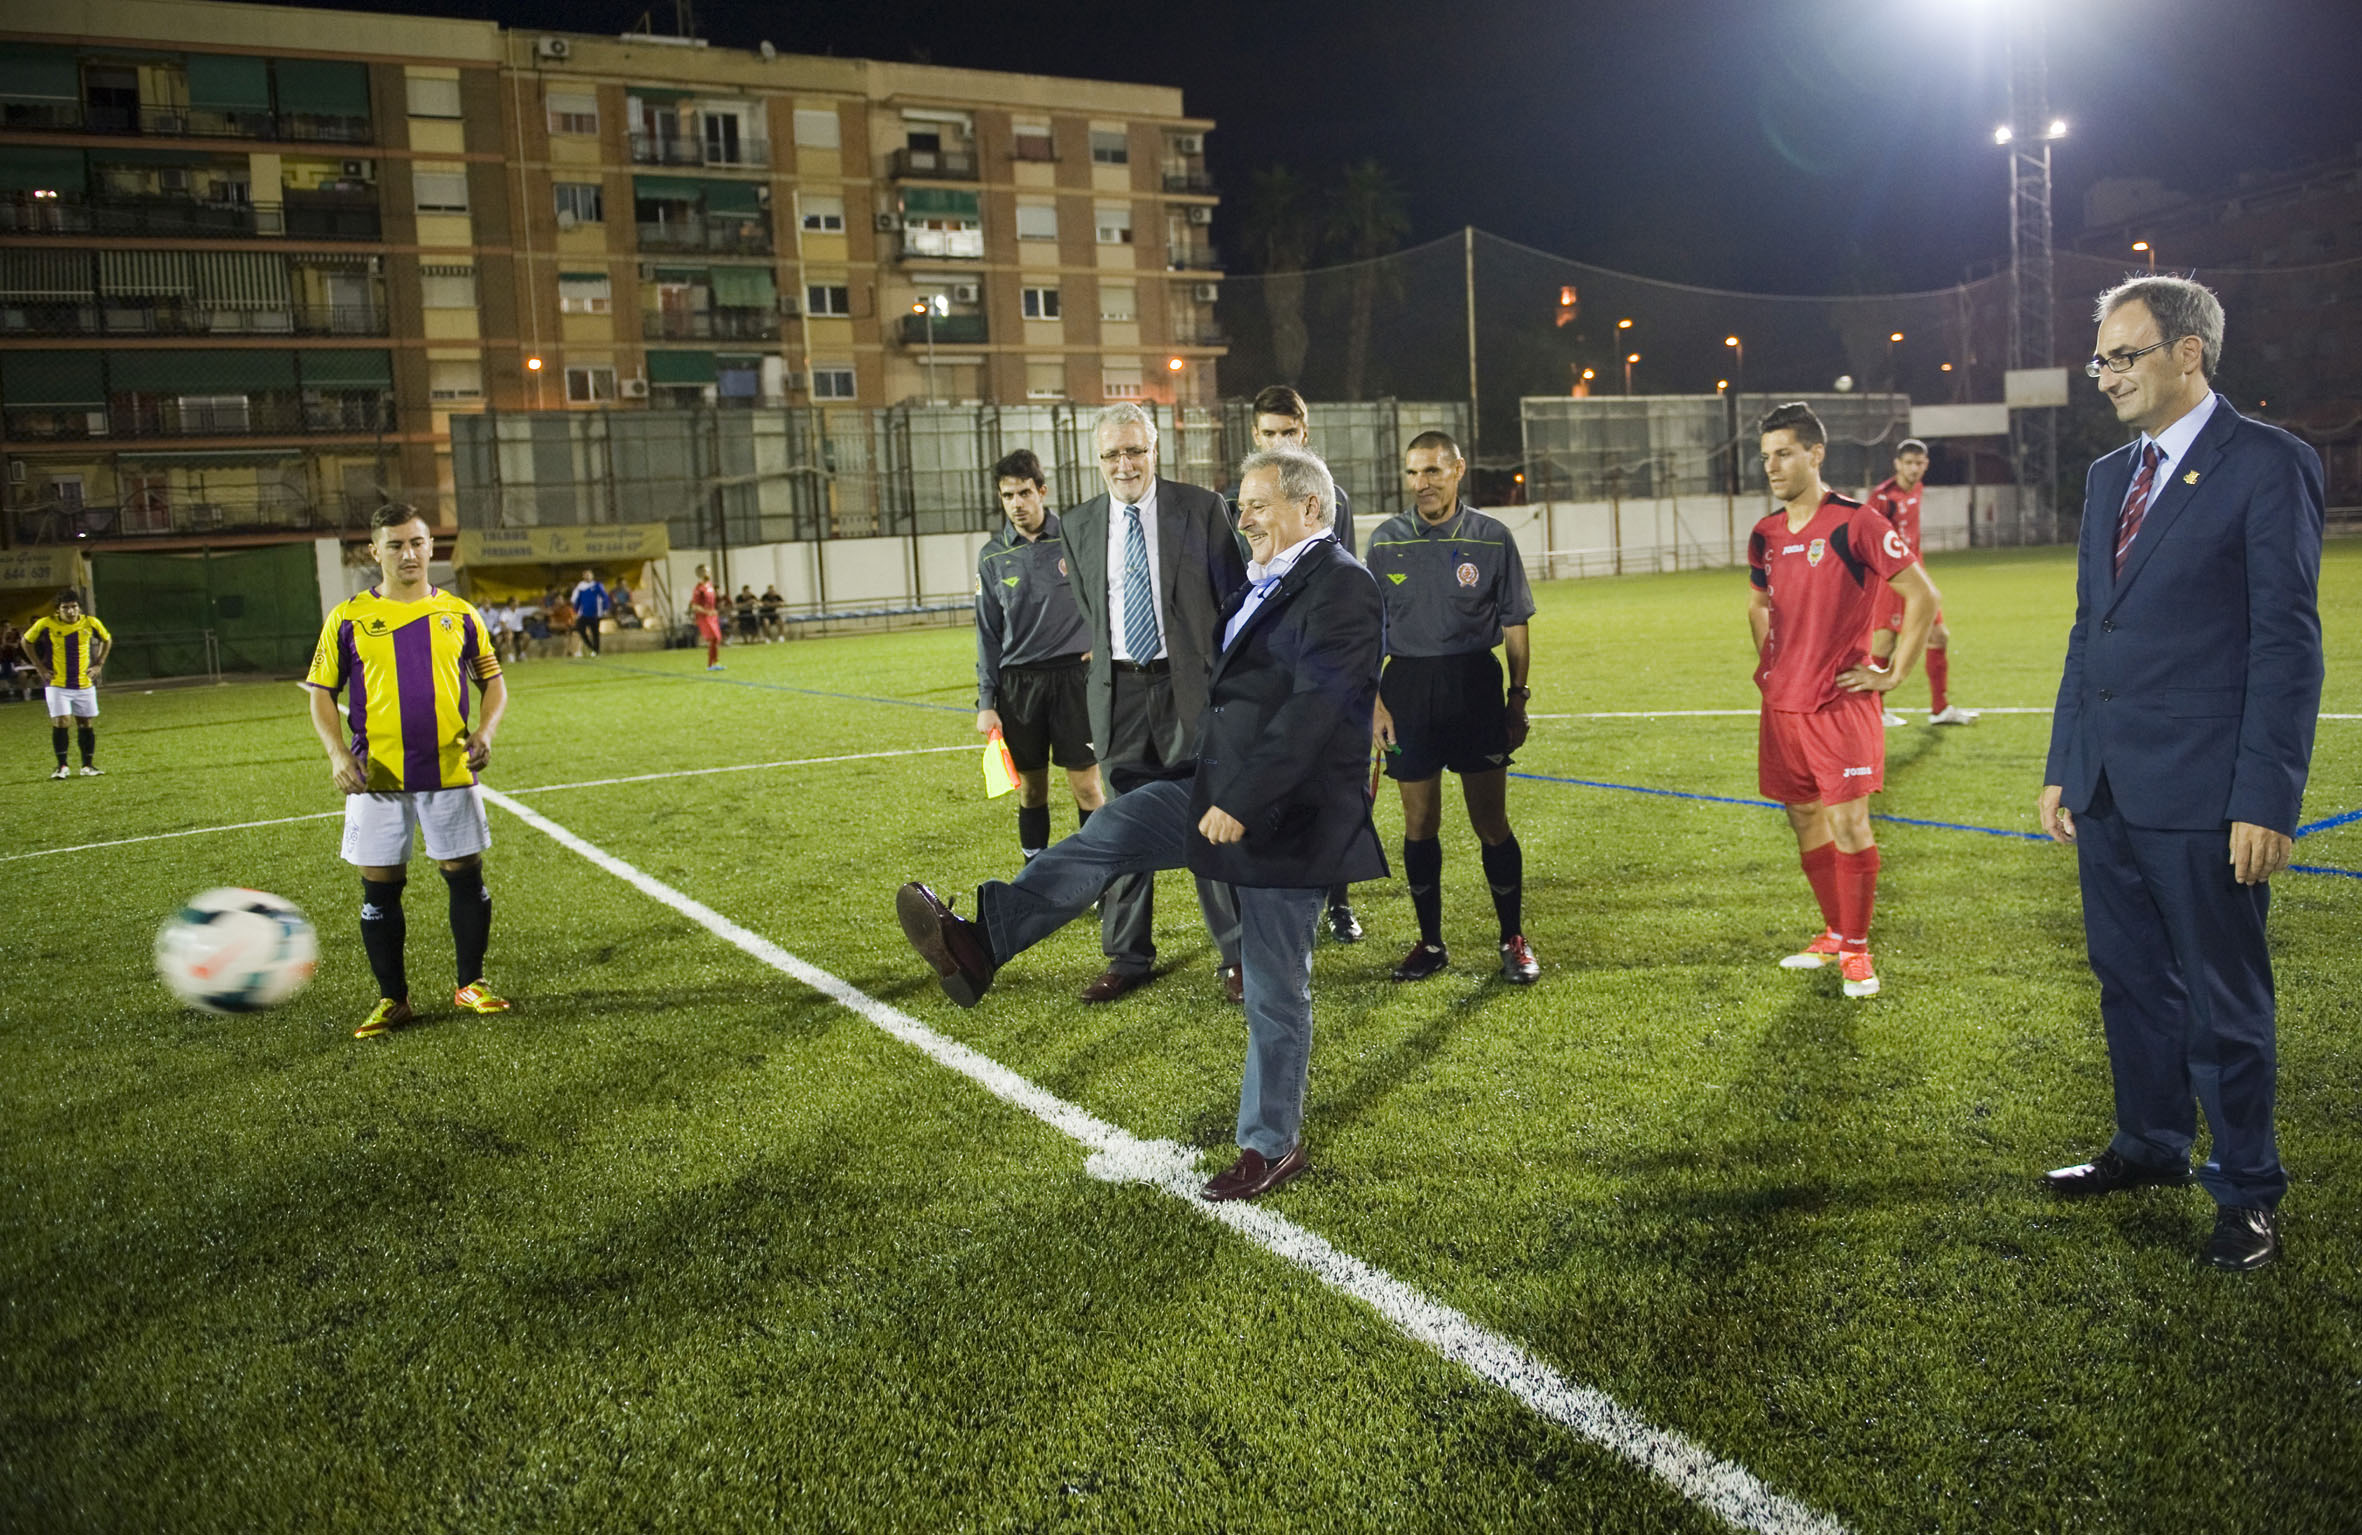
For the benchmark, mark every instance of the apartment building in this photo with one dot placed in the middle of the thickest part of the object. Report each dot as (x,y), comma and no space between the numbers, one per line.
(252,259)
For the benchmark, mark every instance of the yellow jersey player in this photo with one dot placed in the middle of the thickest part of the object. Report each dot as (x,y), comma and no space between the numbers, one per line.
(406,752)
(67,649)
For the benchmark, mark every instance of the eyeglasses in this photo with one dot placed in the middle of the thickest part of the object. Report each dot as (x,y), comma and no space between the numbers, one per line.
(1112,454)
(2119,362)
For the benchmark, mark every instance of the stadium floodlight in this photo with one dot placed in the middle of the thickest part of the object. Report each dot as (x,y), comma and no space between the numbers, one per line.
(2002,135)
(2057,130)
(2148,250)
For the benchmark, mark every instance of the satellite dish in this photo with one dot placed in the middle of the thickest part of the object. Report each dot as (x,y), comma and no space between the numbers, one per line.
(766,50)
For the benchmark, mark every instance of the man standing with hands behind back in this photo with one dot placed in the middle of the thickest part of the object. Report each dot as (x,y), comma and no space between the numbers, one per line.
(1153,562)
(2178,753)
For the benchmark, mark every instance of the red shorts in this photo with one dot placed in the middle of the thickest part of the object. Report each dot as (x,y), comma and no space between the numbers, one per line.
(710,627)
(1832,755)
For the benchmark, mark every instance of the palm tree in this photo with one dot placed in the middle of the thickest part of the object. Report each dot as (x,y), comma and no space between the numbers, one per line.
(1280,236)
(1367,219)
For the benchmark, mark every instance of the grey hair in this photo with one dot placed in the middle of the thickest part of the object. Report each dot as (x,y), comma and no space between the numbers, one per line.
(1124,413)
(2180,307)
(1301,474)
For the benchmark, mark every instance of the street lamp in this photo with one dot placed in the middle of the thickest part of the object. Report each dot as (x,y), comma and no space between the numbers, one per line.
(1629,359)
(2148,250)
(1894,377)
(533,366)
(931,307)
(1739,364)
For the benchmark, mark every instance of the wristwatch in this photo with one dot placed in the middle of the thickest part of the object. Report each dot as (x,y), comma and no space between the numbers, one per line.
(1521,694)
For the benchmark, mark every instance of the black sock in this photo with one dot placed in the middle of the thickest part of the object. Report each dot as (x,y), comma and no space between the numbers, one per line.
(87,735)
(1504,870)
(383,930)
(1082,818)
(1033,828)
(57,743)
(1422,870)
(471,920)
(1340,898)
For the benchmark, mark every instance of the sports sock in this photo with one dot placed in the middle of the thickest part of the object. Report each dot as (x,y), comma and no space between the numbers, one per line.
(1033,829)
(1504,870)
(383,930)
(1422,870)
(713,652)
(1082,818)
(1939,667)
(471,920)
(1857,894)
(87,737)
(1820,867)
(57,743)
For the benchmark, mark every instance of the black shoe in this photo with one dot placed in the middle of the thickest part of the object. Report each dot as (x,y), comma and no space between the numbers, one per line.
(2108,1173)
(2244,1240)
(1344,926)
(1424,960)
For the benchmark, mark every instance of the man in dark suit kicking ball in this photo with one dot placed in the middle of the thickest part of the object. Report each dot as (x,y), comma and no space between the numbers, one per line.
(1274,804)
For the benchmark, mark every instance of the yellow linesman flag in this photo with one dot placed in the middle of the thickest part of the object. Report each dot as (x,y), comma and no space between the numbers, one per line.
(1000,771)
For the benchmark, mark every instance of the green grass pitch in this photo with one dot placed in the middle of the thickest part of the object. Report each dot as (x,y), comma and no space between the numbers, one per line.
(680,1244)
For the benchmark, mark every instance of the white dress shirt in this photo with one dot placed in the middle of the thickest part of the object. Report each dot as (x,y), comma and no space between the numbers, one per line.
(1264,580)
(2174,442)
(1119,532)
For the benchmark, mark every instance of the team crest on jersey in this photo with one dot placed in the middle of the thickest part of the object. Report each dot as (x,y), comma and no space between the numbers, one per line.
(1816,551)
(1466,572)
(445,620)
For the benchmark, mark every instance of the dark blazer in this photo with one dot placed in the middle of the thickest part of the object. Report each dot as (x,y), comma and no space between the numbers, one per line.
(1285,741)
(1199,565)
(2193,681)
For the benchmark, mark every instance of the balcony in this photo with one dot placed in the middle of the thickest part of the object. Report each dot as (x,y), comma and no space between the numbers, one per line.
(949,330)
(1193,258)
(942,245)
(1197,183)
(160,513)
(710,325)
(659,149)
(278,413)
(333,216)
(183,122)
(933,165)
(721,236)
(168,317)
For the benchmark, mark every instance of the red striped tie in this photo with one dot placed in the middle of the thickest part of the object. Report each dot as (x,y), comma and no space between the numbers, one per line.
(2137,504)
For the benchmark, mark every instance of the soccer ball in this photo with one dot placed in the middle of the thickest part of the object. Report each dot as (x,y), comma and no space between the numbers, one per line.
(236,951)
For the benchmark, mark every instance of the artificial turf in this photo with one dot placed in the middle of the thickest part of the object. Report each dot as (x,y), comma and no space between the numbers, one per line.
(681,1244)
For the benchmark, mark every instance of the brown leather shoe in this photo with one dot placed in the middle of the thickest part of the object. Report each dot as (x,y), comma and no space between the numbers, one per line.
(1234,985)
(1251,1175)
(954,946)
(1113,984)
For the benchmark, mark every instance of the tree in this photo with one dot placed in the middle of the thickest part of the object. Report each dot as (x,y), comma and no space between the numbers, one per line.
(1367,219)
(1280,238)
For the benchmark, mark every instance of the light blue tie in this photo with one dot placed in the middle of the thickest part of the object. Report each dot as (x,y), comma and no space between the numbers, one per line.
(1139,601)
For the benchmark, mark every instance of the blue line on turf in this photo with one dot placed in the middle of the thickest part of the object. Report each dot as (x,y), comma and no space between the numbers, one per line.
(2322,868)
(779,687)
(2328,821)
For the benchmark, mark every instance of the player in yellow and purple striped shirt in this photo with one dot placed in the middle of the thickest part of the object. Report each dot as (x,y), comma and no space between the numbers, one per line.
(405,754)
(68,649)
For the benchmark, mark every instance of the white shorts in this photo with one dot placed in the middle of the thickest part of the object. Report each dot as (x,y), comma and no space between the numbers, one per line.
(379,828)
(82,703)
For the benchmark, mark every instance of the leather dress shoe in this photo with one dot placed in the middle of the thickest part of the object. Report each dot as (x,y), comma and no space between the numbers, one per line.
(2245,1239)
(1344,926)
(1251,1175)
(2108,1173)
(1113,984)
(1234,985)
(954,946)
(1424,960)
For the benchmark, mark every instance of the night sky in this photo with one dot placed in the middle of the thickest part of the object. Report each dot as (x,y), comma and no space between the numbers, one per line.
(1797,146)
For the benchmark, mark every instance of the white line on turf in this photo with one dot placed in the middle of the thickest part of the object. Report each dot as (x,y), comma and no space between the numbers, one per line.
(1117,1156)
(165,836)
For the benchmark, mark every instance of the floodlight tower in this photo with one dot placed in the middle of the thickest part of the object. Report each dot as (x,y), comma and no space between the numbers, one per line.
(2027,137)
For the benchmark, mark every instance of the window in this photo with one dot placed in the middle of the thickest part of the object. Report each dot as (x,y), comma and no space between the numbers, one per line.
(585,386)
(1037,221)
(827,299)
(1045,379)
(1119,301)
(824,215)
(203,413)
(447,287)
(440,191)
(461,379)
(1110,148)
(832,383)
(580,202)
(1041,303)
(573,112)
(1120,380)
(1115,223)
(434,98)
(1034,142)
(585,293)
(816,127)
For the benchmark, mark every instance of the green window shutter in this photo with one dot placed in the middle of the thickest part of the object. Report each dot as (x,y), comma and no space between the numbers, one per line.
(348,370)
(680,367)
(238,81)
(735,199)
(45,277)
(942,200)
(744,287)
(39,74)
(201,372)
(52,378)
(663,189)
(322,87)
(43,170)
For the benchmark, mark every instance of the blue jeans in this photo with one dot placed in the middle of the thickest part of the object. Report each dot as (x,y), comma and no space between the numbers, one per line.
(1145,831)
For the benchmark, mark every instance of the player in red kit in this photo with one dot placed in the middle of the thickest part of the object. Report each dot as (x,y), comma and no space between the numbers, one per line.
(1897,499)
(705,607)
(1820,567)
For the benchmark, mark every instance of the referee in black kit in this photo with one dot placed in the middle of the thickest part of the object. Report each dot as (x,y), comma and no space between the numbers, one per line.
(1032,653)
(1454,588)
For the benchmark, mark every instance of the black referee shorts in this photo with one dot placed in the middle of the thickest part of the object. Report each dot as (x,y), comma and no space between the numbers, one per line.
(1046,714)
(1449,712)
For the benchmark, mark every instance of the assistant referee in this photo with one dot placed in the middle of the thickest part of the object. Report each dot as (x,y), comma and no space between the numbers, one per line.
(1454,588)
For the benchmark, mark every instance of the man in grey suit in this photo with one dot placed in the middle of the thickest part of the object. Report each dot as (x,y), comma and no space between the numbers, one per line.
(1152,564)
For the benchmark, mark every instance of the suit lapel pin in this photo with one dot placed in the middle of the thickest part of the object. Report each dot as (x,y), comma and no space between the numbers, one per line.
(2191,478)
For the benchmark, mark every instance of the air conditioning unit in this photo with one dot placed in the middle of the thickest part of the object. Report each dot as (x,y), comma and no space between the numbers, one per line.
(95,423)
(1201,215)
(16,471)
(966,292)
(551,48)
(889,222)
(1206,292)
(1189,143)
(173,178)
(790,305)
(635,388)
(568,221)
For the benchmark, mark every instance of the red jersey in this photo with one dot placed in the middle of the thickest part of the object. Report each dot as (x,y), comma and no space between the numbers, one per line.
(1898,506)
(1827,582)
(704,602)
